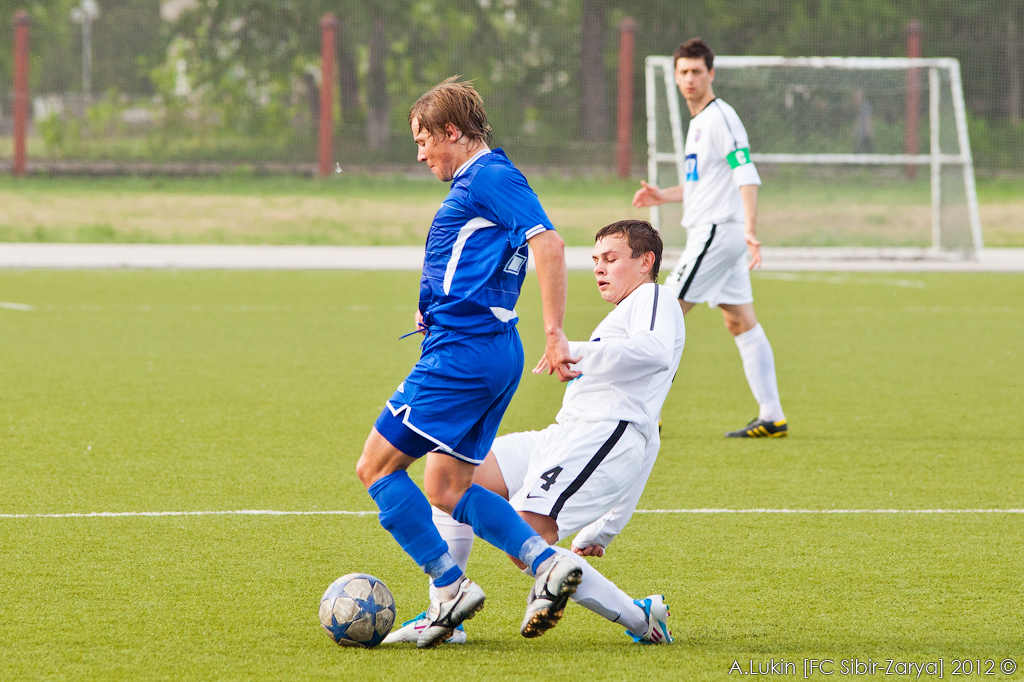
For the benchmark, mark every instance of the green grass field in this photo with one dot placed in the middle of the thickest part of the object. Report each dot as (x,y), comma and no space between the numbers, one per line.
(797,208)
(130,391)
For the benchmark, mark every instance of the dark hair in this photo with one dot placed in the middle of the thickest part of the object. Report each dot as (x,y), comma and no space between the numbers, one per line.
(452,102)
(641,237)
(694,48)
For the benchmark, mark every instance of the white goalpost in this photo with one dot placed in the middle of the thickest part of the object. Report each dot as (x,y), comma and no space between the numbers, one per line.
(844,114)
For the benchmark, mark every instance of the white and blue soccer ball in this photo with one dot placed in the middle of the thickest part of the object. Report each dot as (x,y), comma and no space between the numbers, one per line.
(357,610)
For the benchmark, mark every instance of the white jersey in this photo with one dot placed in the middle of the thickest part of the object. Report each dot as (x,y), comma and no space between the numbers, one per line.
(717,165)
(629,363)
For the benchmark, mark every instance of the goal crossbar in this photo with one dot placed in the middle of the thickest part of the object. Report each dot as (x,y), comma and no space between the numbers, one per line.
(935,158)
(865,159)
(883,63)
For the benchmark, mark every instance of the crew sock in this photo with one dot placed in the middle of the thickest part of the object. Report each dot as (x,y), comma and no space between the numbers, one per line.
(598,594)
(759,366)
(494,520)
(459,538)
(405,513)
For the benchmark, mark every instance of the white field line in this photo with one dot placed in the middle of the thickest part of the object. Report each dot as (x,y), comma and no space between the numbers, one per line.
(838,279)
(272,512)
(238,512)
(15,306)
(829,511)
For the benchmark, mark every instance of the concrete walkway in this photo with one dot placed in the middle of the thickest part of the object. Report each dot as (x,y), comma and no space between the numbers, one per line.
(230,257)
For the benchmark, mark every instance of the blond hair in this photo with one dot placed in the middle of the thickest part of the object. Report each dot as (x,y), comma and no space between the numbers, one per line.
(455,102)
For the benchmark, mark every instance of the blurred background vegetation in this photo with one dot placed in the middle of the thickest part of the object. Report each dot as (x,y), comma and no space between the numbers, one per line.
(238,81)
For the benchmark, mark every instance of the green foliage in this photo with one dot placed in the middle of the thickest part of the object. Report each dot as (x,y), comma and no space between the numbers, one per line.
(105,116)
(54,132)
(246,62)
(997,144)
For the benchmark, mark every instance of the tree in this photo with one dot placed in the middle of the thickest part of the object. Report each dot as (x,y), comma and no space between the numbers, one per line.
(53,67)
(593,74)
(378,114)
(348,80)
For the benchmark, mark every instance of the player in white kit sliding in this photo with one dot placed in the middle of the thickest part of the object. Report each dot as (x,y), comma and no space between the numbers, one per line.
(587,471)
(720,216)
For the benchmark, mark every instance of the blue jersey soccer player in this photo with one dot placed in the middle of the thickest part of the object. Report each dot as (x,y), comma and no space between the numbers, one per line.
(586,471)
(471,360)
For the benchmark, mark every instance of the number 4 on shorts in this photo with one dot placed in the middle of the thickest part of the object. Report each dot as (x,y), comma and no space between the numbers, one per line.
(549,477)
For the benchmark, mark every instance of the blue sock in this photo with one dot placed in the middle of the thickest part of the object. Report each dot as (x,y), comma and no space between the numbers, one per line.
(494,520)
(443,571)
(406,514)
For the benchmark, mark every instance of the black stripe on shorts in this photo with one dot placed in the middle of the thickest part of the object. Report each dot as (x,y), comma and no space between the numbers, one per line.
(696,264)
(592,465)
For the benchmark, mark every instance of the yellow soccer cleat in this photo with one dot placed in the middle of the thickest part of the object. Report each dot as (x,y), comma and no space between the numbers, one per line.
(760,428)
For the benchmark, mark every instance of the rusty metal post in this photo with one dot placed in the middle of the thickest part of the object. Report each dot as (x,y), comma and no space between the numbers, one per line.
(20,90)
(910,142)
(328,26)
(624,145)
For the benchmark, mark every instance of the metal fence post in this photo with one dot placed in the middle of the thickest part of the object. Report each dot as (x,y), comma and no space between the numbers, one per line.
(20,90)
(624,148)
(328,25)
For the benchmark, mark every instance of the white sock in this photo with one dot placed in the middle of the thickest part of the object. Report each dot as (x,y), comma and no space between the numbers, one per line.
(600,595)
(459,537)
(759,366)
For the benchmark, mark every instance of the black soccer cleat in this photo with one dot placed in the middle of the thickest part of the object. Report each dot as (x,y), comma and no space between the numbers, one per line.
(761,428)
(549,595)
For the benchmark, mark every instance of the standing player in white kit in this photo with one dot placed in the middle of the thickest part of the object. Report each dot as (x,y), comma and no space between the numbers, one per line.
(720,214)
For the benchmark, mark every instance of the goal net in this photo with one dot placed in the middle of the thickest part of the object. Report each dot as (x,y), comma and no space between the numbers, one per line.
(855,152)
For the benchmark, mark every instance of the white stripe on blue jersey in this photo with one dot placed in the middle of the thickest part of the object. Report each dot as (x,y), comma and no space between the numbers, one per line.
(476,254)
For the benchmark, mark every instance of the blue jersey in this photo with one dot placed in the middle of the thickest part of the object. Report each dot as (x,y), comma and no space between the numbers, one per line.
(475,261)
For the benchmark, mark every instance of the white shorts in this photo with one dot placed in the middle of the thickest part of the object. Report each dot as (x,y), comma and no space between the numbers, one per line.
(573,472)
(713,268)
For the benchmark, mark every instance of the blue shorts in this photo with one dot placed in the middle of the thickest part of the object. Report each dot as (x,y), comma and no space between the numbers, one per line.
(454,398)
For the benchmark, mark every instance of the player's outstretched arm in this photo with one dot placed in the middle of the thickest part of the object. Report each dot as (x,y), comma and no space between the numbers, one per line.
(552,273)
(643,352)
(749,195)
(652,195)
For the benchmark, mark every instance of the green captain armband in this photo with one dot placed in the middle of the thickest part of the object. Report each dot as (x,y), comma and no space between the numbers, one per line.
(738,158)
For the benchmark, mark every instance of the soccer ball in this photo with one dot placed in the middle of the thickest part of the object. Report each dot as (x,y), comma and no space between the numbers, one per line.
(357,610)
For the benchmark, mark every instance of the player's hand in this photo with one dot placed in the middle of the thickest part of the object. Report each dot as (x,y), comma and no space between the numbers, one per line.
(592,550)
(556,358)
(418,319)
(754,247)
(648,195)
(542,365)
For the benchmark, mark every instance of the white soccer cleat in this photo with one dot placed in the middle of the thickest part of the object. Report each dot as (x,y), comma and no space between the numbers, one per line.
(657,621)
(411,629)
(549,595)
(445,616)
